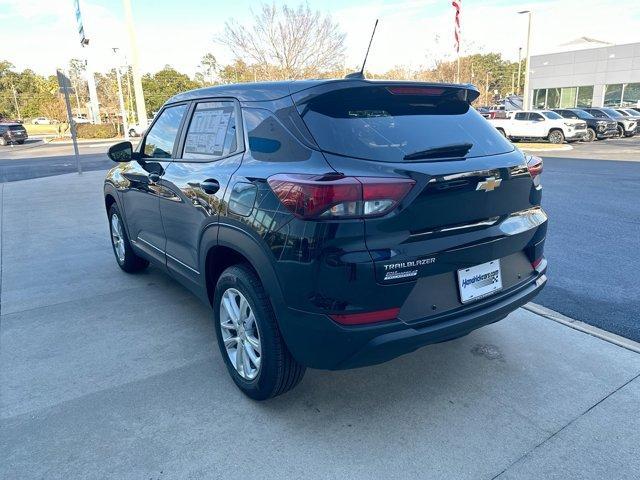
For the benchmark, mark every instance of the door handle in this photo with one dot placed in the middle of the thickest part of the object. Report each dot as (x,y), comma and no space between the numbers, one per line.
(210,186)
(154,177)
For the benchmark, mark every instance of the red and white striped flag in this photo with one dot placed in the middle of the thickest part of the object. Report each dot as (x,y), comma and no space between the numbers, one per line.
(457,5)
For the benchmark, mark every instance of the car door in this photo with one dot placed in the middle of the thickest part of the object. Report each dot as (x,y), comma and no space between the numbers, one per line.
(538,125)
(194,183)
(141,201)
(519,125)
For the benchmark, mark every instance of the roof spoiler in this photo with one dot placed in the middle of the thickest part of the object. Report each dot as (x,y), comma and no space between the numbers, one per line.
(465,92)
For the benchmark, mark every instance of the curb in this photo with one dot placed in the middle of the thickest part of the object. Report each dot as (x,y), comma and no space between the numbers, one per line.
(583,327)
(560,148)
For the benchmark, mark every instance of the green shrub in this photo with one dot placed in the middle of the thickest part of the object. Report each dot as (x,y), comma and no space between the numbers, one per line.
(105,130)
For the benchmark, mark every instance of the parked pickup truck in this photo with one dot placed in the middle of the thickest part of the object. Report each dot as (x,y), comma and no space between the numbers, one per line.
(540,124)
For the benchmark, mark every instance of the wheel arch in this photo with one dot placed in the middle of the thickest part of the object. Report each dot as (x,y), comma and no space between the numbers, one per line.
(223,246)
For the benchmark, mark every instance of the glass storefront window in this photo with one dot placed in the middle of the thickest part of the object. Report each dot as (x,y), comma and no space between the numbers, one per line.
(585,97)
(540,98)
(613,95)
(568,97)
(553,98)
(631,95)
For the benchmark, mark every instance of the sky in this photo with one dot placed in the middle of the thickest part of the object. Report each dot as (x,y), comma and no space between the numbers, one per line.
(42,34)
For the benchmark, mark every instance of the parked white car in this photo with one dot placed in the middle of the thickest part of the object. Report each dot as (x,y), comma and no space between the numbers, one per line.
(138,130)
(41,121)
(79,120)
(540,124)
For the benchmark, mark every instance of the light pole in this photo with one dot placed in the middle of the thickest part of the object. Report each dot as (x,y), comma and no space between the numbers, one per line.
(519,70)
(123,113)
(527,67)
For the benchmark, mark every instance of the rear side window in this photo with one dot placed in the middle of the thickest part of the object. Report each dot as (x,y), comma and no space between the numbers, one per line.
(269,140)
(389,123)
(16,127)
(159,141)
(521,116)
(212,132)
(597,113)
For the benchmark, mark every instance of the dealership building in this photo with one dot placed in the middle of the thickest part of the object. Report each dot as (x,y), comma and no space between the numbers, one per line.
(606,76)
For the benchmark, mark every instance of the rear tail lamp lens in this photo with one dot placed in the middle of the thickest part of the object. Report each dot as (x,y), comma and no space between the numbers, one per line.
(534,164)
(334,196)
(367,317)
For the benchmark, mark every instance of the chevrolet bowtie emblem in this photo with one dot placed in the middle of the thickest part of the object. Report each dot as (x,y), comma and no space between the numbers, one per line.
(489,184)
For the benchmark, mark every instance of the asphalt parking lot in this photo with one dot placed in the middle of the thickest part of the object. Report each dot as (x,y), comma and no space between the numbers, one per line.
(108,375)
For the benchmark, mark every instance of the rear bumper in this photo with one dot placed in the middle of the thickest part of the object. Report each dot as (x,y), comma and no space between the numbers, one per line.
(318,342)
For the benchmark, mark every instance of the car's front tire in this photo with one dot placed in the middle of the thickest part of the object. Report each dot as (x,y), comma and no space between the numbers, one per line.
(3,142)
(556,137)
(250,341)
(590,136)
(125,256)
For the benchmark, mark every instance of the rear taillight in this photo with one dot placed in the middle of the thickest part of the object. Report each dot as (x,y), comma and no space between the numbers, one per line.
(337,196)
(534,164)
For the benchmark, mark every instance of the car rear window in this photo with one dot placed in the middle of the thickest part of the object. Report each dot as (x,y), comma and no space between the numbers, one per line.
(388,123)
(16,127)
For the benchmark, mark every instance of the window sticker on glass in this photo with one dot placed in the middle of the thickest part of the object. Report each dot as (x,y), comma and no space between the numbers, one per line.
(211,131)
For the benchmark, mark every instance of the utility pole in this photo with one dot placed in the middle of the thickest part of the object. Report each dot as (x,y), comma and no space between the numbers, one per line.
(519,69)
(141,109)
(486,89)
(527,69)
(513,78)
(15,101)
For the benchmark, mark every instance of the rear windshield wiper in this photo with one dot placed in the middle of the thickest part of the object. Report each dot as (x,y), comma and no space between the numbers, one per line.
(456,150)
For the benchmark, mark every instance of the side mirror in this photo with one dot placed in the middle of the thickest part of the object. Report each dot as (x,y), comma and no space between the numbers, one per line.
(121,152)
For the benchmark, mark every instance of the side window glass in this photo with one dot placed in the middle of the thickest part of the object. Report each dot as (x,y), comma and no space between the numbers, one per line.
(535,117)
(159,141)
(521,116)
(212,132)
(269,140)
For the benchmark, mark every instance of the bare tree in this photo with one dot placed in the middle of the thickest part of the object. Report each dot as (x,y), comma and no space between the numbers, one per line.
(287,42)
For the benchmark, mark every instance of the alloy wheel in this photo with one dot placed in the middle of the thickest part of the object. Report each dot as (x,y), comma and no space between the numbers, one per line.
(117,237)
(555,137)
(240,334)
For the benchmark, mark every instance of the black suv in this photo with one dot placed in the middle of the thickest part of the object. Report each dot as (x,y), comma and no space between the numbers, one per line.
(12,133)
(596,128)
(626,125)
(332,223)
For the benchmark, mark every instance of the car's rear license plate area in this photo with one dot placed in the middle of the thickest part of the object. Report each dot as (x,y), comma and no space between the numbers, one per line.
(479,281)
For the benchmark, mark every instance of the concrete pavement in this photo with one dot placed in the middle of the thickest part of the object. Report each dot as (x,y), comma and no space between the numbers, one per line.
(109,375)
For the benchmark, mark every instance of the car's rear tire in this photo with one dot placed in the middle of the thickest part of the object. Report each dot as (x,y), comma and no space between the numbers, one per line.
(620,131)
(250,342)
(590,136)
(556,137)
(501,132)
(125,256)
